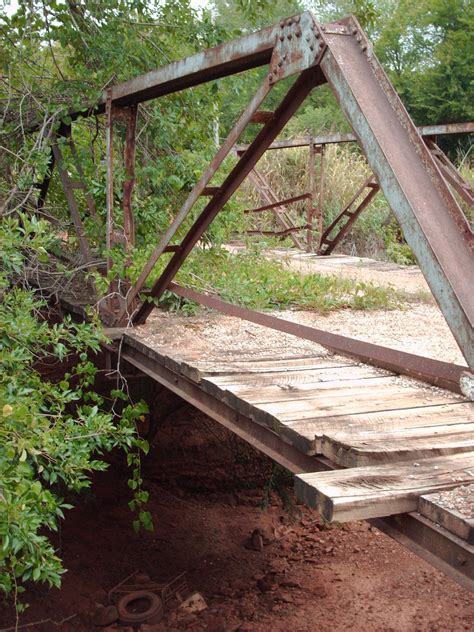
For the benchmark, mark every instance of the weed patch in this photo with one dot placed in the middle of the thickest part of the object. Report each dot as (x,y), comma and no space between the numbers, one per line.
(249,280)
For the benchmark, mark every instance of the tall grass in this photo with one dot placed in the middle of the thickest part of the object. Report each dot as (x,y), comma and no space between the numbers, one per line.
(376,233)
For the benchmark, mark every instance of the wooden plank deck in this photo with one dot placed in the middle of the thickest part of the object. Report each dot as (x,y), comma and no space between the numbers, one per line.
(317,413)
(354,415)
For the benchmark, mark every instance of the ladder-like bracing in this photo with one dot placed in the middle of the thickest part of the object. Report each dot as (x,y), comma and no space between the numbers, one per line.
(324,239)
(413,181)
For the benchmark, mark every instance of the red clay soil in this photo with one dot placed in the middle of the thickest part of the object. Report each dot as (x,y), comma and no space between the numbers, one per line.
(206,490)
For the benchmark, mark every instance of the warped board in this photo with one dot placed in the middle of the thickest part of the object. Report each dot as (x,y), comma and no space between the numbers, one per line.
(365,448)
(376,491)
(314,431)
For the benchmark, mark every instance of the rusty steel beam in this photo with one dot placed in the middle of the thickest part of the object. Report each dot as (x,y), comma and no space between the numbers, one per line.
(279,233)
(267,193)
(244,53)
(435,545)
(327,245)
(348,137)
(435,372)
(303,85)
(267,207)
(451,174)
(129,182)
(247,52)
(431,219)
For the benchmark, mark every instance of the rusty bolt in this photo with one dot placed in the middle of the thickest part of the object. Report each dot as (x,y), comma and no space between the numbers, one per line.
(290,22)
(290,36)
(297,19)
(298,32)
(281,38)
(364,47)
(354,31)
(317,35)
(359,38)
(321,44)
(282,24)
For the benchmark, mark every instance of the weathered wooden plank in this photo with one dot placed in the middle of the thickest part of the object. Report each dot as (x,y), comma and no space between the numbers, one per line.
(209,367)
(332,372)
(288,392)
(320,407)
(308,435)
(371,448)
(382,490)
(445,509)
(412,417)
(366,390)
(311,432)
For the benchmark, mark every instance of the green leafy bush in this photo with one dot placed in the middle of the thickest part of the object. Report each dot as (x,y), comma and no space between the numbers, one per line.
(53,432)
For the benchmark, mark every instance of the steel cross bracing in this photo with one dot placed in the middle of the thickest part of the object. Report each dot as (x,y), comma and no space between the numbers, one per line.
(410,178)
(323,242)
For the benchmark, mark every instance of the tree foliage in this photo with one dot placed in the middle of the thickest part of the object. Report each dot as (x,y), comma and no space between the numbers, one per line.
(53,431)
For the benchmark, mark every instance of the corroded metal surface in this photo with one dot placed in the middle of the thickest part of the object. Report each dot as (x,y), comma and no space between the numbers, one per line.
(331,139)
(432,221)
(411,180)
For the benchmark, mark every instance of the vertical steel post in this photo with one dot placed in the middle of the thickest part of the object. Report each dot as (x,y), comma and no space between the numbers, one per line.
(197,191)
(109,198)
(129,182)
(320,149)
(109,190)
(312,194)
